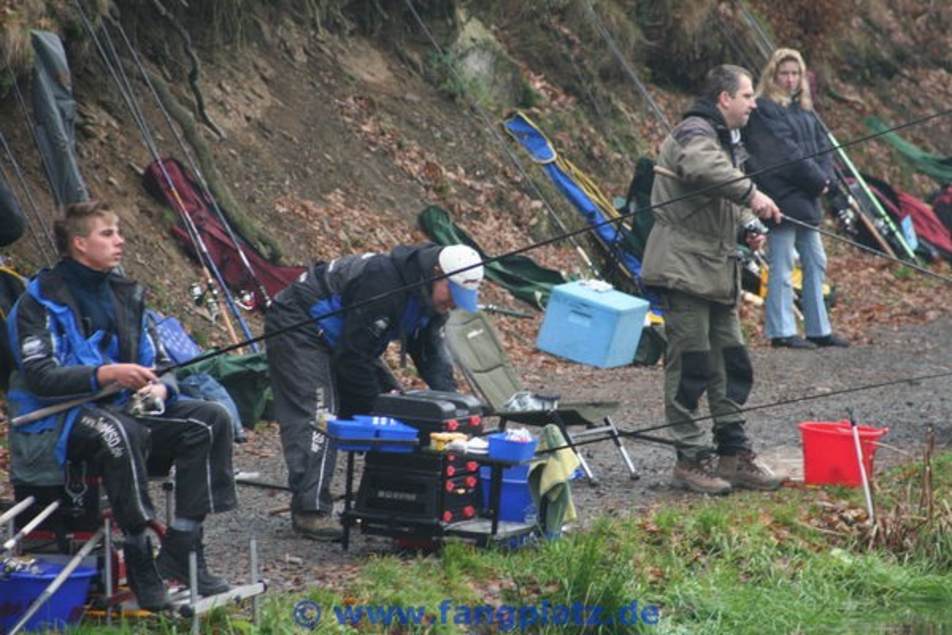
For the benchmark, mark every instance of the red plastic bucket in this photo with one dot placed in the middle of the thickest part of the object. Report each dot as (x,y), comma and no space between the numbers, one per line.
(829,454)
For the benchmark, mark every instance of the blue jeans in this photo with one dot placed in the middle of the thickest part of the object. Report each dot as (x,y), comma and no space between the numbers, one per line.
(781,322)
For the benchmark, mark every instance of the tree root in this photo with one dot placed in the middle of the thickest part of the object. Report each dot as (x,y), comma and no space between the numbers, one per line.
(193,71)
(229,206)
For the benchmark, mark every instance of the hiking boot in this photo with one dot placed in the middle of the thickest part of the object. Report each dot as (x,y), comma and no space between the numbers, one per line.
(699,476)
(173,561)
(320,526)
(143,576)
(744,470)
(794,341)
(830,340)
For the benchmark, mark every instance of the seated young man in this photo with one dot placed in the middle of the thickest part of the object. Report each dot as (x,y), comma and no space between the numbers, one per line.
(80,327)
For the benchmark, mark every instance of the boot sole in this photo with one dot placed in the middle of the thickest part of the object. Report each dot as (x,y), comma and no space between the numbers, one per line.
(318,536)
(683,484)
(171,572)
(757,488)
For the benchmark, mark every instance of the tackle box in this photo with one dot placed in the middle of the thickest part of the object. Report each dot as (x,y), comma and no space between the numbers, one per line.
(433,411)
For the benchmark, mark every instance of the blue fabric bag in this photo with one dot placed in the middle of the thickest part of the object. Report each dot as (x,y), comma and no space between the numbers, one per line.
(205,387)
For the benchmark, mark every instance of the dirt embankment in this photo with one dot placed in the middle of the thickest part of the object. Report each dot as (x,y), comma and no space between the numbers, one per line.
(333,143)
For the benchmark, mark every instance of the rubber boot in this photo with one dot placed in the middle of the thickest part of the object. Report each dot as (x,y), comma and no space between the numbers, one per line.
(143,576)
(211,581)
(173,561)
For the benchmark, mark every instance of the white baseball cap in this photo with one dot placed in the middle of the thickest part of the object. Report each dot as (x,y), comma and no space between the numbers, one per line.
(464,285)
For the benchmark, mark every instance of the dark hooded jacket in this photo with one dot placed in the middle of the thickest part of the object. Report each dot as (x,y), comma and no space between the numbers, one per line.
(11,218)
(357,337)
(787,135)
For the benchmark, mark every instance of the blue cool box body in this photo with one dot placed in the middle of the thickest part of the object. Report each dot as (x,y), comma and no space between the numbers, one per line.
(601,328)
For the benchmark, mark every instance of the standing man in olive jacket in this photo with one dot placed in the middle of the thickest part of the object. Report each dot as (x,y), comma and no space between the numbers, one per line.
(691,259)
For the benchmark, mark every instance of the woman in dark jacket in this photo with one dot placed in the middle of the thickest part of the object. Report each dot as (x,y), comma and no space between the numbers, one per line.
(784,130)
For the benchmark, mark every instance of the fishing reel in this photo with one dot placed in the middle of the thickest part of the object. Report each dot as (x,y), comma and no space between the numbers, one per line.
(206,296)
(754,227)
(145,405)
(246,300)
(842,205)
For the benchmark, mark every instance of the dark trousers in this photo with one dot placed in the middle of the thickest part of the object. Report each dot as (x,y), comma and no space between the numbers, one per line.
(194,436)
(302,383)
(705,354)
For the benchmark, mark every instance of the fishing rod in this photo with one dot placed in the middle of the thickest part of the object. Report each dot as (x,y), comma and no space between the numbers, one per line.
(640,433)
(613,46)
(494,133)
(663,171)
(193,164)
(39,218)
(113,389)
(208,264)
(766,46)
(210,268)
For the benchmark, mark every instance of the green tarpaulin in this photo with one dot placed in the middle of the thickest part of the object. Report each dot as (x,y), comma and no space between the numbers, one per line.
(520,275)
(939,168)
(245,377)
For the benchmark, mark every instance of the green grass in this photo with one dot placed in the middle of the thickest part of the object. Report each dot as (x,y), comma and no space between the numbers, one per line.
(749,563)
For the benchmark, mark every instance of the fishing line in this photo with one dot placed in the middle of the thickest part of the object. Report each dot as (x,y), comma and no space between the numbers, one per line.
(118,75)
(638,432)
(206,190)
(433,278)
(42,249)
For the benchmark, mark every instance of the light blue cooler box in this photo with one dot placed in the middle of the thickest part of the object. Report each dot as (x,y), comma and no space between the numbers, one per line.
(592,323)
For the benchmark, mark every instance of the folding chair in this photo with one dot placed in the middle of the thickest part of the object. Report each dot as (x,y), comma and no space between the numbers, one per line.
(480,355)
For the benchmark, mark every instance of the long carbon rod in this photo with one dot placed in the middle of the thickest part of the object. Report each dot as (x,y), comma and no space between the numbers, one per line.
(497,137)
(208,264)
(42,249)
(206,190)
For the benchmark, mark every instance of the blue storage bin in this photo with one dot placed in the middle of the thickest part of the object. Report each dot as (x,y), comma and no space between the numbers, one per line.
(592,326)
(20,588)
(515,501)
(515,451)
